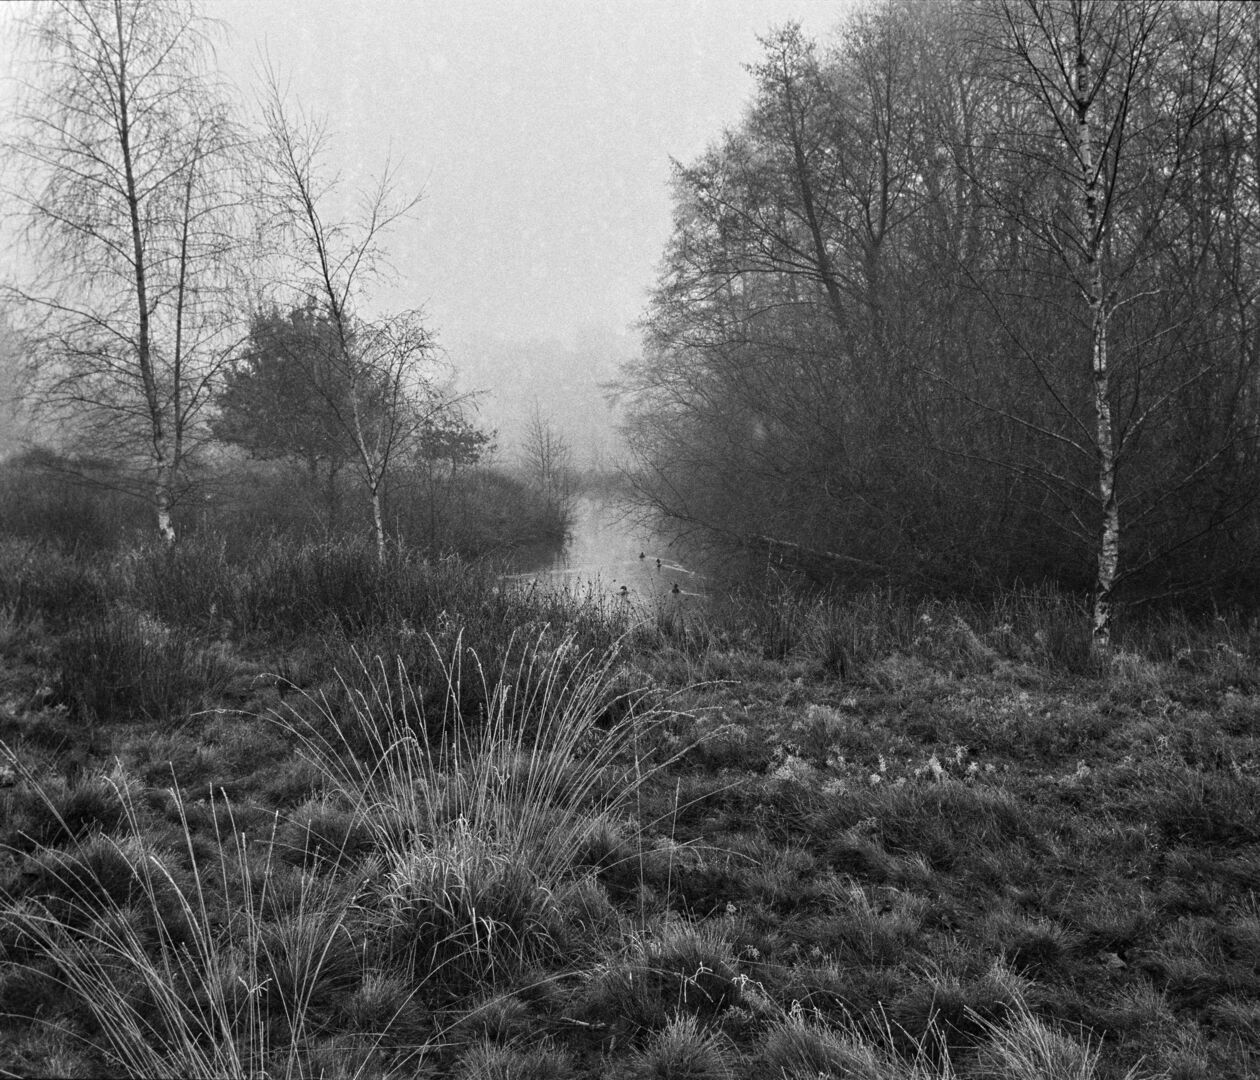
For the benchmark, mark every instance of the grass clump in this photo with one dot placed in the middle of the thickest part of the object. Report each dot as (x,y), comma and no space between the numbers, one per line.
(684,1050)
(173,963)
(679,970)
(464,909)
(48,584)
(803,1047)
(534,775)
(945,1015)
(58,809)
(1025,1047)
(490,1061)
(479,827)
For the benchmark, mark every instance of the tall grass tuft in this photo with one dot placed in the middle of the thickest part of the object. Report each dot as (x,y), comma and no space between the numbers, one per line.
(221,958)
(1024,1047)
(684,1050)
(178,961)
(801,1046)
(481,825)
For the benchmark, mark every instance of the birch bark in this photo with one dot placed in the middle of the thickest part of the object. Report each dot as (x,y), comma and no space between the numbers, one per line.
(1094,234)
(144,348)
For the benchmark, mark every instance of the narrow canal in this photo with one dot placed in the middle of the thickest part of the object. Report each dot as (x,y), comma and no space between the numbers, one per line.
(609,553)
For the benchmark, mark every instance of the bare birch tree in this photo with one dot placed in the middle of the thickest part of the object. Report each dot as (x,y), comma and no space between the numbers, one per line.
(1122,131)
(387,396)
(548,461)
(122,167)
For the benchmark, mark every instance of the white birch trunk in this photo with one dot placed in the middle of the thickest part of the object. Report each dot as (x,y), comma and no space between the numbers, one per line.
(1104,436)
(162,504)
(373,467)
(378,523)
(1109,543)
(163,465)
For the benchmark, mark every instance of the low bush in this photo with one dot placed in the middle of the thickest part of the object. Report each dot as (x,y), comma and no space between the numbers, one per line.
(129,666)
(45,583)
(72,504)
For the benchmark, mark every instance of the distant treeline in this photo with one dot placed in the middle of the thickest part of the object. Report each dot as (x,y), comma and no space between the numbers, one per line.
(967,299)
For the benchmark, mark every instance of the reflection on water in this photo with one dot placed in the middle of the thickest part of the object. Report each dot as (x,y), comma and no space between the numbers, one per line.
(609,553)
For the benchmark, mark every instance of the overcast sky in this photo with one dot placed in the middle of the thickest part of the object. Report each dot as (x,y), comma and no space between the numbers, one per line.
(540,133)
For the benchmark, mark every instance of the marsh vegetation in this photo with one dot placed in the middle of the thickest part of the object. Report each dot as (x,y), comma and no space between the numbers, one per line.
(274,807)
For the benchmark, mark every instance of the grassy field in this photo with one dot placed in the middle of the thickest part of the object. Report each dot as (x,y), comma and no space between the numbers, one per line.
(280,811)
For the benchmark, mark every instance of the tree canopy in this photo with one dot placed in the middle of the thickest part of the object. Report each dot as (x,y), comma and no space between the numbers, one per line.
(964,300)
(123,162)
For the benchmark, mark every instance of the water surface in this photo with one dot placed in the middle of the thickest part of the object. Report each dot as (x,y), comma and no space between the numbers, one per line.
(609,553)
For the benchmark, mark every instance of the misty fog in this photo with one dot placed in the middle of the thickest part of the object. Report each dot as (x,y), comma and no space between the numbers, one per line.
(568,378)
